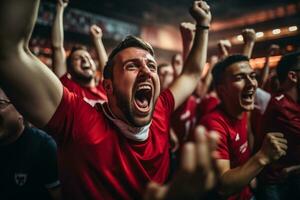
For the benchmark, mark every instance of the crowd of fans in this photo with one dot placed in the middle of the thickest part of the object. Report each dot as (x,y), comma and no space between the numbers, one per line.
(122,126)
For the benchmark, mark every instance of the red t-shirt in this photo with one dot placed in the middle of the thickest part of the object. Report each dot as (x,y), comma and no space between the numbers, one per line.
(207,104)
(282,115)
(184,118)
(233,142)
(97,161)
(91,95)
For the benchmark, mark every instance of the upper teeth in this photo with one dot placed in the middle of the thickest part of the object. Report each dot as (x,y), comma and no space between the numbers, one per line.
(144,87)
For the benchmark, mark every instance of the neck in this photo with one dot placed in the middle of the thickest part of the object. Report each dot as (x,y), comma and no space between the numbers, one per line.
(231,112)
(85,83)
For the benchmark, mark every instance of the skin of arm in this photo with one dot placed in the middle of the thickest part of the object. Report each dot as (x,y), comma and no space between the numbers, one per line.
(249,38)
(59,55)
(233,180)
(31,86)
(186,83)
(96,34)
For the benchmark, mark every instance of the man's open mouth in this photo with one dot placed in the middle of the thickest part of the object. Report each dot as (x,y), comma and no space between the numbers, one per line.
(248,96)
(142,98)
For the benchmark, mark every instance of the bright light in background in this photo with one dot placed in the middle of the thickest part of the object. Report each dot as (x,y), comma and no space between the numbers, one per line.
(293,28)
(276,31)
(239,38)
(259,34)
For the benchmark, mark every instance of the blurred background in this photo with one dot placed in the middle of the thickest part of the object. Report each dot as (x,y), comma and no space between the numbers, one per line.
(157,22)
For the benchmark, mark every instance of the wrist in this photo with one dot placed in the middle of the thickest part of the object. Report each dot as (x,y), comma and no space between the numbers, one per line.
(203,26)
(261,158)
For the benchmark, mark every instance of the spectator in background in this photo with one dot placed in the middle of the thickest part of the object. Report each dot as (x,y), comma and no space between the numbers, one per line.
(28,168)
(281,180)
(235,84)
(77,72)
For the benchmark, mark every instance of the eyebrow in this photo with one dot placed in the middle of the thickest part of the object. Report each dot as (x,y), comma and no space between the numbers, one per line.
(138,60)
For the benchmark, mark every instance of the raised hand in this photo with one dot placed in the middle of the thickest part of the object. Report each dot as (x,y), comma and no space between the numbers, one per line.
(96,32)
(187,31)
(62,3)
(248,35)
(200,11)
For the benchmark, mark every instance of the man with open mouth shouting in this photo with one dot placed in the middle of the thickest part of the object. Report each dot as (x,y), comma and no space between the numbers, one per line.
(110,151)
(235,83)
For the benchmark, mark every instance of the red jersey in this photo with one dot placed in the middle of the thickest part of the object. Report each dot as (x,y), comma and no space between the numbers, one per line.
(233,141)
(282,115)
(207,104)
(184,119)
(91,95)
(97,161)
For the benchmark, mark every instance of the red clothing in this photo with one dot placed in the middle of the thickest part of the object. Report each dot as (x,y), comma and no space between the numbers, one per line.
(233,141)
(282,115)
(184,119)
(97,161)
(91,95)
(207,104)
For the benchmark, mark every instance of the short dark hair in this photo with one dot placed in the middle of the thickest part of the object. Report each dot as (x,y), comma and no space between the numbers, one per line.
(289,62)
(222,65)
(74,48)
(129,41)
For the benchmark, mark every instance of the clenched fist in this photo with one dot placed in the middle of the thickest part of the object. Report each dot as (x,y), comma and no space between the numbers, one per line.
(248,35)
(96,32)
(274,147)
(200,11)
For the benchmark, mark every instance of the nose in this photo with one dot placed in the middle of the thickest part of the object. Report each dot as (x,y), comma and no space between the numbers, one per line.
(250,81)
(144,70)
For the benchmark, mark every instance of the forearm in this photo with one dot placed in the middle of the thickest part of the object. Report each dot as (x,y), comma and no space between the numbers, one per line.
(58,29)
(248,48)
(234,180)
(101,53)
(265,73)
(197,57)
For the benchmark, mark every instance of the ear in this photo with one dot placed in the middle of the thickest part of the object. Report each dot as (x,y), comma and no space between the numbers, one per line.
(292,76)
(107,84)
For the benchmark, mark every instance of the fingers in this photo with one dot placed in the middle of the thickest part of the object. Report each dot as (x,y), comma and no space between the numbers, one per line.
(188,158)
(155,191)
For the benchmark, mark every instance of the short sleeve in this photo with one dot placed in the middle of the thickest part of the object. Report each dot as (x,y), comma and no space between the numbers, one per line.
(72,119)
(48,163)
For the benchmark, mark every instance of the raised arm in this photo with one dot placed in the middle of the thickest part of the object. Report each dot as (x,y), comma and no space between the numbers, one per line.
(233,180)
(224,47)
(186,83)
(249,38)
(187,31)
(59,55)
(266,69)
(96,34)
(31,86)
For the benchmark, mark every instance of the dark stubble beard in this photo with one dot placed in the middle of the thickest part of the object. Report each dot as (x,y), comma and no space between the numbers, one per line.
(125,106)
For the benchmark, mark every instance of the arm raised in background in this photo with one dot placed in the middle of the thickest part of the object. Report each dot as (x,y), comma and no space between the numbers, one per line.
(96,34)
(31,86)
(224,47)
(249,38)
(186,83)
(265,70)
(59,55)
(187,31)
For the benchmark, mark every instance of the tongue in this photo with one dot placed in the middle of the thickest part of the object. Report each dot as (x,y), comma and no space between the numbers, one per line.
(143,103)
